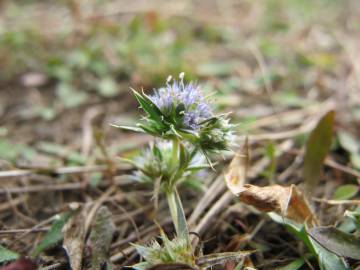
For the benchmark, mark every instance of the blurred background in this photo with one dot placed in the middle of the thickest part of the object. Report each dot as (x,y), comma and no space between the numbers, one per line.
(69,65)
(66,68)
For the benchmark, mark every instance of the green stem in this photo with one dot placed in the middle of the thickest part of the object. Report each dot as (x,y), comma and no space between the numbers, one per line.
(175,154)
(178,214)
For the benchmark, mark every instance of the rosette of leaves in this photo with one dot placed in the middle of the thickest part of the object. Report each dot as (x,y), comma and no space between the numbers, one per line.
(181,111)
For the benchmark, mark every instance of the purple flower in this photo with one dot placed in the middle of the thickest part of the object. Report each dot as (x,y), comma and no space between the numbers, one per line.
(188,97)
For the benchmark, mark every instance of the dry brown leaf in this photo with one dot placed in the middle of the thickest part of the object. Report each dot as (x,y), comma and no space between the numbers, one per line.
(74,236)
(237,172)
(287,201)
(101,235)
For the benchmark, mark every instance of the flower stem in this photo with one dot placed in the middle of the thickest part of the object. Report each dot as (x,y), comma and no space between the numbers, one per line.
(175,154)
(178,214)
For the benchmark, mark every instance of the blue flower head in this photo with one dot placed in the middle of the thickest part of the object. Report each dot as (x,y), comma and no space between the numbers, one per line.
(180,111)
(183,103)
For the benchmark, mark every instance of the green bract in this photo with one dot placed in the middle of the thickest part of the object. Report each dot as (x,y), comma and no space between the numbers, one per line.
(172,251)
(160,161)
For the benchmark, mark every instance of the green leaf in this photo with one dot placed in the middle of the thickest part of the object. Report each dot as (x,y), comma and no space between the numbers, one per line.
(95,178)
(290,98)
(317,148)
(149,107)
(61,151)
(107,87)
(355,160)
(136,129)
(9,150)
(141,266)
(70,96)
(345,192)
(348,142)
(326,259)
(354,216)
(336,241)
(7,255)
(215,68)
(54,236)
(294,265)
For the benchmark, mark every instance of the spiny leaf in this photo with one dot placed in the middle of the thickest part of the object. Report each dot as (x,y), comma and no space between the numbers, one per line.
(7,255)
(136,129)
(149,107)
(54,236)
(338,242)
(317,148)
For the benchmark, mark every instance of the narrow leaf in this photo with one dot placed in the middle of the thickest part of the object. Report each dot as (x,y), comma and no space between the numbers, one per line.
(294,265)
(149,107)
(317,148)
(136,129)
(54,236)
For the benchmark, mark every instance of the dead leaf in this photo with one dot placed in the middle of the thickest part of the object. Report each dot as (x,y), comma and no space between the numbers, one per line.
(287,201)
(208,261)
(238,168)
(317,148)
(74,236)
(101,236)
(33,79)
